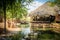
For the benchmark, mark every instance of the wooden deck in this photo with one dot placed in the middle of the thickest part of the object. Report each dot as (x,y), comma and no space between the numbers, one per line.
(40,25)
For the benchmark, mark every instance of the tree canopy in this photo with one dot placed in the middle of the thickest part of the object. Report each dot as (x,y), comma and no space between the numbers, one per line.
(55,2)
(12,9)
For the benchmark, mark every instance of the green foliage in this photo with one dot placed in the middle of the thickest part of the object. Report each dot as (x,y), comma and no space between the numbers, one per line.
(46,35)
(14,8)
(55,2)
(18,36)
(17,11)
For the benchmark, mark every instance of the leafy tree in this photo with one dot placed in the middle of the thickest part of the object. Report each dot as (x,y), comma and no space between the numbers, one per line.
(55,2)
(13,6)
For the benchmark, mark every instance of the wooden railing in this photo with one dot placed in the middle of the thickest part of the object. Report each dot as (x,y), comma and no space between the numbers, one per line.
(40,24)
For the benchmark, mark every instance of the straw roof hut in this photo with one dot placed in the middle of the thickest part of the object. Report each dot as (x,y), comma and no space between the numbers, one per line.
(44,11)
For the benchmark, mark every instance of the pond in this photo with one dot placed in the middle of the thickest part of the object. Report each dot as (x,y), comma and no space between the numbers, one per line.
(25,29)
(39,34)
(26,34)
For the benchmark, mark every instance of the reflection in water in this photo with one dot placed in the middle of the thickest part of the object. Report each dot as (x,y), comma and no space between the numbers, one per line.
(25,29)
(38,35)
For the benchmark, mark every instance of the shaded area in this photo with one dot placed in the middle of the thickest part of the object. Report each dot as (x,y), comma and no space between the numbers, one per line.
(45,35)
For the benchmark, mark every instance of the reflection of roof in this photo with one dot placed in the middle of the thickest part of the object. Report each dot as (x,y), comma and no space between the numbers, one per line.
(44,9)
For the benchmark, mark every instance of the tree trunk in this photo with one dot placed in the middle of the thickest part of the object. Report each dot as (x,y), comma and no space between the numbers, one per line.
(4,10)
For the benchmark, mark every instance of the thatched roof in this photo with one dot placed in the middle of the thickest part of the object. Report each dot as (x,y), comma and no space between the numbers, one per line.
(45,9)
